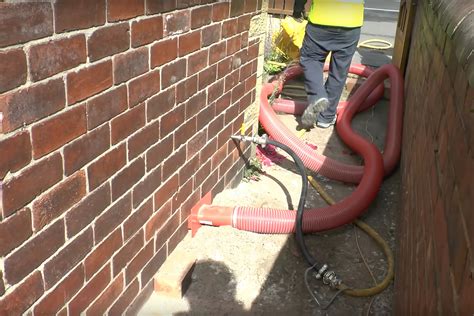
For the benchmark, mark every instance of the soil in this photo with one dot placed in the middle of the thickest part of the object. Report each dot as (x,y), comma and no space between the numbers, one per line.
(240,272)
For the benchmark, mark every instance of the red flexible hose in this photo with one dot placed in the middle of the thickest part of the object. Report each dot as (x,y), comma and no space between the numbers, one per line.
(369,177)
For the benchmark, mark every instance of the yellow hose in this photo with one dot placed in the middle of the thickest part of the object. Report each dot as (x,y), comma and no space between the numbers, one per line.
(378,239)
(381,44)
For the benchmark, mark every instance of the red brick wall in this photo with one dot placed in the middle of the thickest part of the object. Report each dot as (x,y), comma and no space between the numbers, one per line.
(116,117)
(435,262)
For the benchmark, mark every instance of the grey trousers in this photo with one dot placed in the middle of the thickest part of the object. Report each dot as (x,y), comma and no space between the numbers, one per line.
(318,42)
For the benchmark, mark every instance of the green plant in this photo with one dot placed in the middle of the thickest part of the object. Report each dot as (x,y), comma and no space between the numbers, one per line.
(253,170)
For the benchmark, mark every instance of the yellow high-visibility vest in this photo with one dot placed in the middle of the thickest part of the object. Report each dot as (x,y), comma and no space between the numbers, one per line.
(343,13)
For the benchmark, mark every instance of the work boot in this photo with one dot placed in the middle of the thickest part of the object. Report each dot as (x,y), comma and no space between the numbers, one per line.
(311,112)
(326,125)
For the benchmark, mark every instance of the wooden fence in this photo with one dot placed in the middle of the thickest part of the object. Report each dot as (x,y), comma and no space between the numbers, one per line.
(284,6)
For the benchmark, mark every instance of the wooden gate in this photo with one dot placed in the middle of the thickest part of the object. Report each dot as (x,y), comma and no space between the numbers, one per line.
(406,18)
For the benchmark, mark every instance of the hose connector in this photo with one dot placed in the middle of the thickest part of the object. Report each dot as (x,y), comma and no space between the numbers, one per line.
(259,140)
(329,277)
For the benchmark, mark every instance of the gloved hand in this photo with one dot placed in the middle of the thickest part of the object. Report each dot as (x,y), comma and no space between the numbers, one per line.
(298,14)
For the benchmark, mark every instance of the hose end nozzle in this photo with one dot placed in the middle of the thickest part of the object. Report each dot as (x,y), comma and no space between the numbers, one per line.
(259,140)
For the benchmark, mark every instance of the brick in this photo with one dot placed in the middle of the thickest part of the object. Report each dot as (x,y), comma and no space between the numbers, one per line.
(167,230)
(143,87)
(186,89)
(56,56)
(23,22)
(140,299)
(217,52)
(215,91)
(54,203)
(127,178)
(197,61)
(177,22)
(233,45)
(156,154)
(127,123)
(224,68)
(138,263)
(189,42)
(116,36)
(230,28)
(221,105)
(147,31)
(165,192)
(102,253)
(112,218)
(79,14)
(207,76)
(171,120)
(243,23)
(31,104)
(158,220)
(237,8)
(152,267)
(184,192)
(178,236)
(200,16)
(220,11)
(195,144)
(86,148)
(205,116)
(22,297)
(55,132)
(157,6)
(104,168)
(67,258)
(142,140)
(61,294)
(146,187)
(124,9)
(194,105)
(130,65)
(13,69)
(106,299)
(160,104)
(16,153)
(211,34)
(14,231)
(251,6)
(137,220)
(90,292)
(30,255)
(174,162)
(173,73)
(128,251)
(89,81)
(163,52)
(174,276)
(20,190)
(125,299)
(87,210)
(105,107)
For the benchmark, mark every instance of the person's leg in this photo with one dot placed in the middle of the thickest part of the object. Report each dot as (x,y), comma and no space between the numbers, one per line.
(342,53)
(313,56)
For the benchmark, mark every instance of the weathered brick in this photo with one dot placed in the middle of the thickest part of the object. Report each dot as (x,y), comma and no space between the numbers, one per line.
(130,65)
(80,14)
(30,255)
(20,190)
(195,104)
(197,61)
(22,297)
(164,193)
(211,34)
(112,218)
(55,132)
(102,253)
(224,68)
(14,231)
(177,22)
(178,236)
(124,9)
(252,6)
(116,36)
(186,89)
(61,294)
(233,45)
(230,28)
(147,31)
(23,22)
(86,148)
(141,141)
(103,108)
(55,56)
(127,123)
(128,177)
(236,8)
(67,258)
(89,81)
(139,262)
(104,168)
(167,230)
(16,153)
(138,219)
(152,267)
(244,23)
(205,116)
(220,11)
(207,76)
(201,16)
(163,52)
(31,104)
(173,73)
(127,296)
(143,87)
(87,210)
(140,299)
(90,292)
(54,203)
(158,219)
(172,120)
(217,52)
(189,42)
(105,300)
(146,187)
(161,103)
(195,144)
(156,154)
(13,69)
(128,251)
(174,162)
(158,6)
